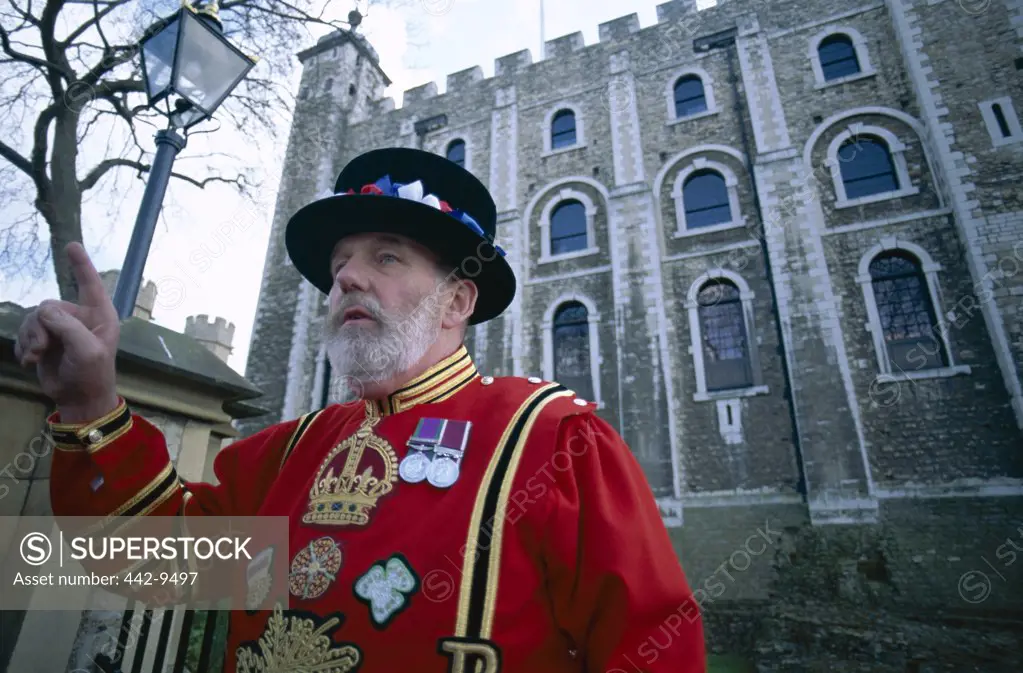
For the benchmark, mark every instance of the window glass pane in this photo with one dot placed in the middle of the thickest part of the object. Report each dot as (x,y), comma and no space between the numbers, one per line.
(456,152)
(723,332)
(568,228)
(838,57)
(906,313)
(563,129)
(705,197)
(866,168)
(572,349)
(689,96)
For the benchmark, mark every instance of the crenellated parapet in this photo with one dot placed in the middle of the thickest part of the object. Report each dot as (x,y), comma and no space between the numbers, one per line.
(463,79)
(618,29)
(216,335)
(419,94)
(561,47)
(678,22)
(512,63)
(675,10)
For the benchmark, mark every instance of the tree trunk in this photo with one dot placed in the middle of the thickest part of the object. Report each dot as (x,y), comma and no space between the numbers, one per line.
(64,210)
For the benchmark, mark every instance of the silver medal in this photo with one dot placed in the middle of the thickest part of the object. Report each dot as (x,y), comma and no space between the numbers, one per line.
(414,466)
(443,472)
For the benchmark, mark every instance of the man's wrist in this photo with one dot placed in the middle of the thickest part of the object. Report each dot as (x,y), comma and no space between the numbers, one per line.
(94,434)
(85,414)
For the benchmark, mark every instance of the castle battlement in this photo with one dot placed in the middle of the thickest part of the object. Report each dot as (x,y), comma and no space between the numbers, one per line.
(512,63)
(463,79)
(217,335)
(419,93)
(619,30)
(563,46)
(675,10)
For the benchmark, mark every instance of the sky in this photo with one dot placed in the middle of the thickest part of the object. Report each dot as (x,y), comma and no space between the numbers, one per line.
(208,252)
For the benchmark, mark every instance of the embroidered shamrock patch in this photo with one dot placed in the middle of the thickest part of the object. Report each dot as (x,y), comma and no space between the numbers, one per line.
(386,588)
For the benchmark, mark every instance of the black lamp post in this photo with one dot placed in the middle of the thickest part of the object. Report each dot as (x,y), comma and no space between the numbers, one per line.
(189,68)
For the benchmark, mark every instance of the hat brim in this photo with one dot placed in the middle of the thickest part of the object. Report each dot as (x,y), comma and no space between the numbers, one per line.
(315,229)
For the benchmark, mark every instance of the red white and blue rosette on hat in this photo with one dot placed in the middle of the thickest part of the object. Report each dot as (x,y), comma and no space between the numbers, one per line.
(414,191)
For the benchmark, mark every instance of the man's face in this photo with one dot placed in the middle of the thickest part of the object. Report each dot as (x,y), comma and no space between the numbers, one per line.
(386,306)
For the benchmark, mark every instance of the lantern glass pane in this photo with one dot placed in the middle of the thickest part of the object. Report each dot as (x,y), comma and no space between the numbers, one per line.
(182,119)
(158,54)
(208,66)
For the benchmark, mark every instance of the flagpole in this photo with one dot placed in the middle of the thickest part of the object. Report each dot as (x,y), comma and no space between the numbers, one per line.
(543,43)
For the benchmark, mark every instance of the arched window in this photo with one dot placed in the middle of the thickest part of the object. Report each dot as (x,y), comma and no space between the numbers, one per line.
(838,57)
(328,83)
(568,227)
(563,129)
(705,196)
(571,340)
(725,344)
(689,96)
(866,167)
(456,152)
(907,317)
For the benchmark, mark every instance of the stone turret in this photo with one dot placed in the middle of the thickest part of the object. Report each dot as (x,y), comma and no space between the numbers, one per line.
(216,336)
(145,301)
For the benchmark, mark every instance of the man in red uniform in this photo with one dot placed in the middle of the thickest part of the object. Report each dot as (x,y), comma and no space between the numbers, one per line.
(444,521)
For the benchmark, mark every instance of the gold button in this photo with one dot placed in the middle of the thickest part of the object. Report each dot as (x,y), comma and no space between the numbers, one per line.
(487,380)
(581,402)
(534,379)
(94,436)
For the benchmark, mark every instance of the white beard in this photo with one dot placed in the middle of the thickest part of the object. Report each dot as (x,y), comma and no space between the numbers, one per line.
(365,353)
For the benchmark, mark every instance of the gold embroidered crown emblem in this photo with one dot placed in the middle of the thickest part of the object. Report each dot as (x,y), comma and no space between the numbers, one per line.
(344,493)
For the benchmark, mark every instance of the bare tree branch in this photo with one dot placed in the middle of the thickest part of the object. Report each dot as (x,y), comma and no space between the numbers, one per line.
(20,162)
(104,166)
(22,57)
(71,87)
(97,16)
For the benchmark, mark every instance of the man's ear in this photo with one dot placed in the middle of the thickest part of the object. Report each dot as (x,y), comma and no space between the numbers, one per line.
(461,303)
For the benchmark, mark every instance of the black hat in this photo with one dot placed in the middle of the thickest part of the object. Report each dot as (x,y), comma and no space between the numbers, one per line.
(416,194)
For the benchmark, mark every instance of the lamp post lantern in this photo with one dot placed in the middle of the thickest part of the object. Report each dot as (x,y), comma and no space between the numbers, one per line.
(188,69)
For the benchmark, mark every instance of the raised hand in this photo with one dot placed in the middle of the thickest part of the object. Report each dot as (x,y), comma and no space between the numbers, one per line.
(74,346)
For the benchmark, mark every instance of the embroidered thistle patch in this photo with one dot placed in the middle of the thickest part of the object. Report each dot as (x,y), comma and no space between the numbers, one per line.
(386,588)
(298,642)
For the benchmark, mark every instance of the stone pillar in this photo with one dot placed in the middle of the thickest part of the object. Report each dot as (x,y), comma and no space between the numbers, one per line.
(648,426)
(499,342)
(839,483)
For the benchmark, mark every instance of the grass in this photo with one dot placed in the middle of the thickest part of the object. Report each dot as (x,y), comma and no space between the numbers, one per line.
(727,663)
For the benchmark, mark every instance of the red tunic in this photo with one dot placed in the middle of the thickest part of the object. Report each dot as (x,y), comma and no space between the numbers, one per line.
(546,555)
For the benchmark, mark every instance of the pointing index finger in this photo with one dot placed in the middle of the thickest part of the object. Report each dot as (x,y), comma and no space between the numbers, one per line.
(90,286)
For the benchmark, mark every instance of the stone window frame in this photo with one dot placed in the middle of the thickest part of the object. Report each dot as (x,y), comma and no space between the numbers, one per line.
(580,126)
(930,270)
(731,185)
(859,45)
(746,297)
(446,143)
(1011,119)
(562,195)
(708,94)
(593,320)
(897,151)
